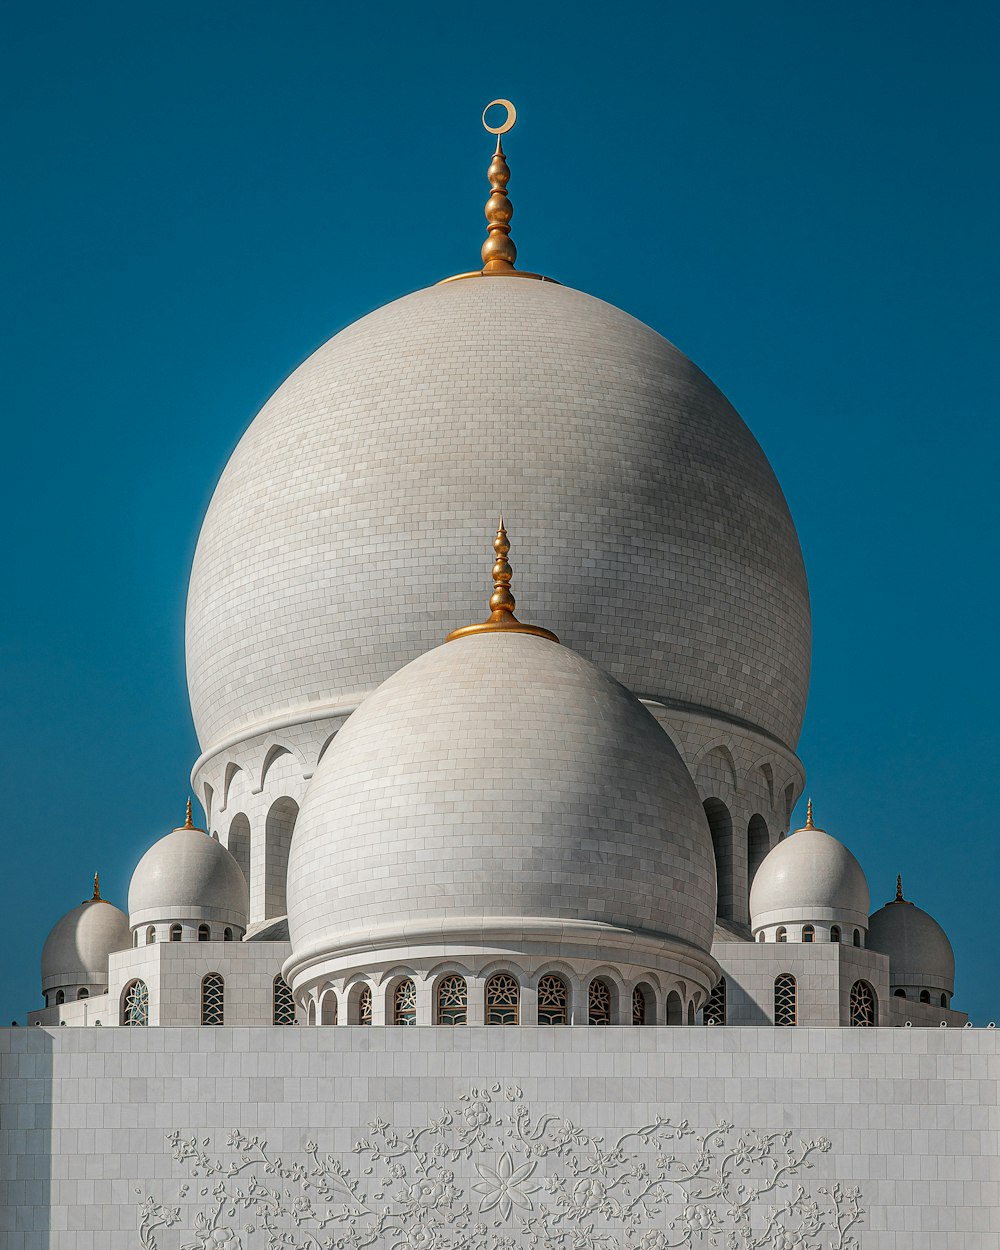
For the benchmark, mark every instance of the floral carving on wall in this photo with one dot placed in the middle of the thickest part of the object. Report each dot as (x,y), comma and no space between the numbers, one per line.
(489,1173)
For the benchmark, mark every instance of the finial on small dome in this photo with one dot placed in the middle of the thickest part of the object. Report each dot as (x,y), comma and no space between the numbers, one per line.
(188,819)
(809,815)
(499,252)
(502,601)
(97,890)
(899,890)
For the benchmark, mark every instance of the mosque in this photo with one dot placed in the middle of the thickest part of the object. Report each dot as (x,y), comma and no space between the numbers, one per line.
(465,836)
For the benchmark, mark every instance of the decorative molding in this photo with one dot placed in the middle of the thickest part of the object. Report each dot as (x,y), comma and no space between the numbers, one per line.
(489,1173)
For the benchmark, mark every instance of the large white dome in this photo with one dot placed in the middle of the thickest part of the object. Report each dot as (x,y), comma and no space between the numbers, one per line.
(501,794)
(377,465)
(920,955)
(188,876)
(809,878)
(76,951)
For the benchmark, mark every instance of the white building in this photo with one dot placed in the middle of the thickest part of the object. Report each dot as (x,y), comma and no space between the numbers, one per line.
(411,821)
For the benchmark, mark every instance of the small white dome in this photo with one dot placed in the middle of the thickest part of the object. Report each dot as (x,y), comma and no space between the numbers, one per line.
(188,876)
(77,949)
(809,878)
(501,793)
(920,955)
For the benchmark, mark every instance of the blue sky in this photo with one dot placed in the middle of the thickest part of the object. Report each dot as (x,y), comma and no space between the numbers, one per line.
(802,197)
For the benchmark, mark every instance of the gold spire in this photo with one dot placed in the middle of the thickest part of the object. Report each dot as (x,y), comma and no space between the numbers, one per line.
(499,252)
(97,890)
(899,890)
(809,815)
(502,601)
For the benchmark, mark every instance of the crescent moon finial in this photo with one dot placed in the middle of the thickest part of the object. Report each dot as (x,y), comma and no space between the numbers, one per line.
(508,122)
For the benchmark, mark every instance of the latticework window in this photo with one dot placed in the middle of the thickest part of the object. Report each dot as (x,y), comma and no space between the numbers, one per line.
(553,1000)
(502,999)
(365,1005)
(862,1005)
(136,1008)
(638,1006)
(404,1003)
(785,1000)
(282,1003)
(599,1003)
(452,1000)
(213,994)
(715,1008)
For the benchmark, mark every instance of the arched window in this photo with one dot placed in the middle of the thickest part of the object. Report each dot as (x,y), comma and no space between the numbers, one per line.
(404,1003)
(135,1004)
(311,1013)
(135,938)
(758,845)
(721,825)
(862,1005)
(857,937)
(899,993)
(213,991)
(944,1000)
(786,1006)
(452,1000)
(150,935)
(282,1003)
(278,826)
(175,933)
(760,936)
(691,1012)
(365,1005)
(60,998)
(675,1008)
(239,842)
(328,1008)
(502,999)
(553,1000)
(835,933)
(715,1008)
(925,996)
(204,933)
(781,934)
(227,934)
(808,933)
(640,1007)
(599,1002)
(85,993)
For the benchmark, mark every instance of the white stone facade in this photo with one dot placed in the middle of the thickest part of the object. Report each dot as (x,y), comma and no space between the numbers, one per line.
(155,1139)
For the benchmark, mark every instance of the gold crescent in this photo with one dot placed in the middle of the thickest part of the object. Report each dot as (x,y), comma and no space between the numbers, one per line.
(508,124)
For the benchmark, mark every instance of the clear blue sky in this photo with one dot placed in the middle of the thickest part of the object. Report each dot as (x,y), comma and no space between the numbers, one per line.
(803,197)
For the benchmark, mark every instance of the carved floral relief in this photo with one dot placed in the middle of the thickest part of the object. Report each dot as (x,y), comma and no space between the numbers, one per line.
(489,1173)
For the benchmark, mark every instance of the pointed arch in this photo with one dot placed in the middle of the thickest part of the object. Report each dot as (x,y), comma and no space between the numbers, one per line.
(720,823)
(278,826)
(758,845)
(274,752)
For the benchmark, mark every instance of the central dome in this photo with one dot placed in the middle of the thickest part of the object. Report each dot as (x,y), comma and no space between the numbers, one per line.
(374,468)
(500,793)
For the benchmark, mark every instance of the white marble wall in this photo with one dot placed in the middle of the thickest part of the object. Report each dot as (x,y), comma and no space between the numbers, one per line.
(116,1139)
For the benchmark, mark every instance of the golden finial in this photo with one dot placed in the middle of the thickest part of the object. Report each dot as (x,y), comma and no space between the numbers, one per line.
(502,601)
(809,815)
(899,890)
(97,890)
(499,252)
(188,820)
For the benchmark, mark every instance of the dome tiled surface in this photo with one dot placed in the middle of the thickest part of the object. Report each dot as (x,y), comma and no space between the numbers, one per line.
(918,948)
(188,875)
(347,533)
(809,876)
(77,949)
(499,775)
